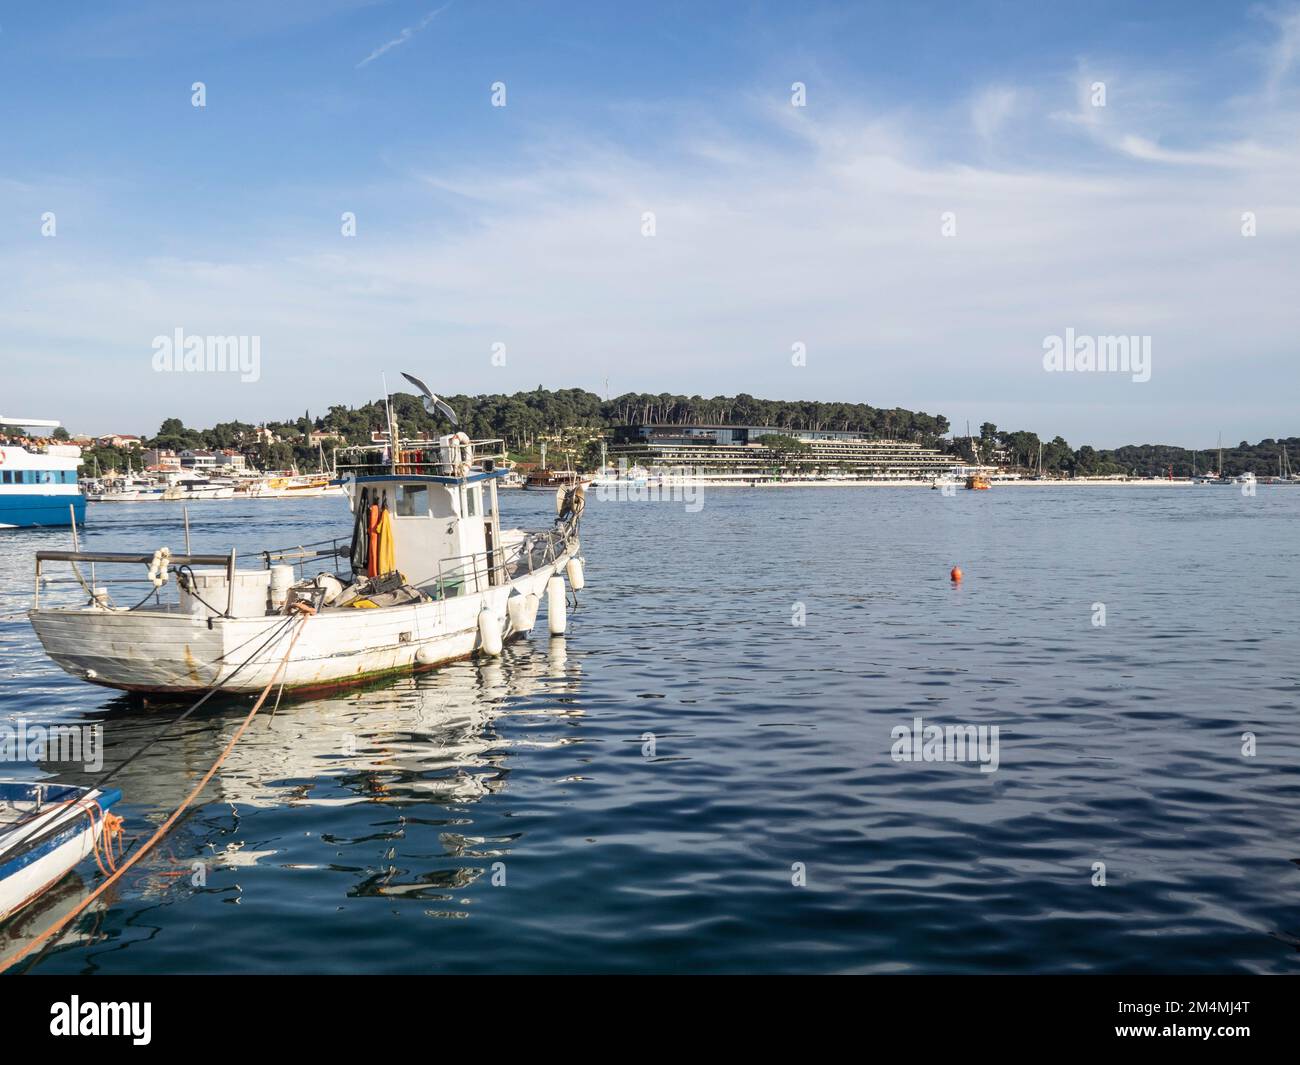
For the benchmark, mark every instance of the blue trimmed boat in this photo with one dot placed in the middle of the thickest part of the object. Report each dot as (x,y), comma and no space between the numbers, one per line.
(46,830)
(38,481)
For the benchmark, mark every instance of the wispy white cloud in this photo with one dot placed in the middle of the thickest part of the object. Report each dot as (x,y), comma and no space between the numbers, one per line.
(812,226)
(1239,154)
(405,35)
(1283,54)
(990,109)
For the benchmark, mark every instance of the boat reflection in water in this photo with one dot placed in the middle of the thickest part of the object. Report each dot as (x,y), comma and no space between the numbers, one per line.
(51,907)
(394,769)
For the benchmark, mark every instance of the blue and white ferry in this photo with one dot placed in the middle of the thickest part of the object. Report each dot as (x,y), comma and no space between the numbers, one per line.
(38,482)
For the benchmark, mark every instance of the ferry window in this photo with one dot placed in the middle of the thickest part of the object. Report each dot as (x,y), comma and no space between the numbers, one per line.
(471,502)
(412,501)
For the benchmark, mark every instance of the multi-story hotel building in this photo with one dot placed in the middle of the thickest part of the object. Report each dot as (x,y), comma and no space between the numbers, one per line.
(738,451)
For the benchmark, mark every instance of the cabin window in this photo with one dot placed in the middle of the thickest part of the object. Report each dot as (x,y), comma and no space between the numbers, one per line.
(471,502)
(412,501)
(7,477)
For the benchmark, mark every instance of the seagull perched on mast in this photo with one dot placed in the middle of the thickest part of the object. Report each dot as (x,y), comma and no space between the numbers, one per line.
(432,403)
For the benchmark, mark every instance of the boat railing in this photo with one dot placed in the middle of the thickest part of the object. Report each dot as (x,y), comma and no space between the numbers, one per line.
(124,558)
(479,569)
(499,566)
(415,458)
(302,555)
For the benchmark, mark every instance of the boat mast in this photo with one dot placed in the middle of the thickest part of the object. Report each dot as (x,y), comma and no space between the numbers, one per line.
(391,427)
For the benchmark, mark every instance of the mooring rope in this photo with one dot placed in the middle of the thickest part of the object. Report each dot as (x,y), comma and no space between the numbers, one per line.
(216,686)
(166,826)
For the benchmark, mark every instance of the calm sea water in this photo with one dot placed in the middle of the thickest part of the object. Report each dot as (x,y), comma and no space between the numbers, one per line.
(644,794)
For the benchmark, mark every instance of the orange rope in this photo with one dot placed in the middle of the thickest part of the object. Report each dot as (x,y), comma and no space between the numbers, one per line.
(166,826)
(102,841)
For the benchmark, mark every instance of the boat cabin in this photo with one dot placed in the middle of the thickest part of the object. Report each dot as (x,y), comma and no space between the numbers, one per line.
(439,501)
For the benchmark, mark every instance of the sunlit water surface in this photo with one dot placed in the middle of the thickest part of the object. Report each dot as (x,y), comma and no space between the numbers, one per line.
(693,782)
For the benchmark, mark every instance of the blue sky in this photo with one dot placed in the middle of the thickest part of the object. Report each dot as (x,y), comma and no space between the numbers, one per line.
(774,225)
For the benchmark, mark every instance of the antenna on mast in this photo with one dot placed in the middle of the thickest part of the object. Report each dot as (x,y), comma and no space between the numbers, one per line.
(391,427)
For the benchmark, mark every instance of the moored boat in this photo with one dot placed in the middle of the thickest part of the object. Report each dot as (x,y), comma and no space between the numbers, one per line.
(429,576)
(550,480)
(294,486)
(45,832)
(38,481)
(199,488)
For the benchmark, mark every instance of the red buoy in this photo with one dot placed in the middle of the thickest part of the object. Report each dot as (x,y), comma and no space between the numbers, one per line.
(955,575)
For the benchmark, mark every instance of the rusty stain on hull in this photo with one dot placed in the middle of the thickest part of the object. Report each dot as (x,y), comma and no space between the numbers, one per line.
(191,666)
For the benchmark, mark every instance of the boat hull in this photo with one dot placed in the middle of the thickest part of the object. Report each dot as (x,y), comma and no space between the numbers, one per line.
(27,875)
(170,653)
(34,879)
(40,511)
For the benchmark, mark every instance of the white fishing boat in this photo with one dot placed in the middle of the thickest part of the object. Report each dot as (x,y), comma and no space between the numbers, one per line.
(429,576)
(45,832)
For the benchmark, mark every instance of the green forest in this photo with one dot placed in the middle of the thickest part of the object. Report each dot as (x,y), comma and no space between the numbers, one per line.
(573,421)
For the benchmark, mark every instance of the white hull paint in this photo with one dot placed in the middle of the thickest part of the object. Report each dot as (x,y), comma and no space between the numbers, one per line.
(21,887)
(165,651)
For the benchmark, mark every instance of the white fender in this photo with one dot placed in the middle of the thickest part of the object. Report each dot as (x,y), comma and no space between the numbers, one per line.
(517,612)
(534,602)
(489,633)
(574,572)
(556,608)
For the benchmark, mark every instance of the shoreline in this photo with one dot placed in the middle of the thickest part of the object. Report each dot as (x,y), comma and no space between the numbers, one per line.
(1079,482)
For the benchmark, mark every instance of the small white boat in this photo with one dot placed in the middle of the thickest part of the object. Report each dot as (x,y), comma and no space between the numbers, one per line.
(294,486)
(199,488)
(127,489)
(46,830)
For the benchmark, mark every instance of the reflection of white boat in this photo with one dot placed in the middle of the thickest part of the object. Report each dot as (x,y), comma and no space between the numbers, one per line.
(433,577)
(45,831)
